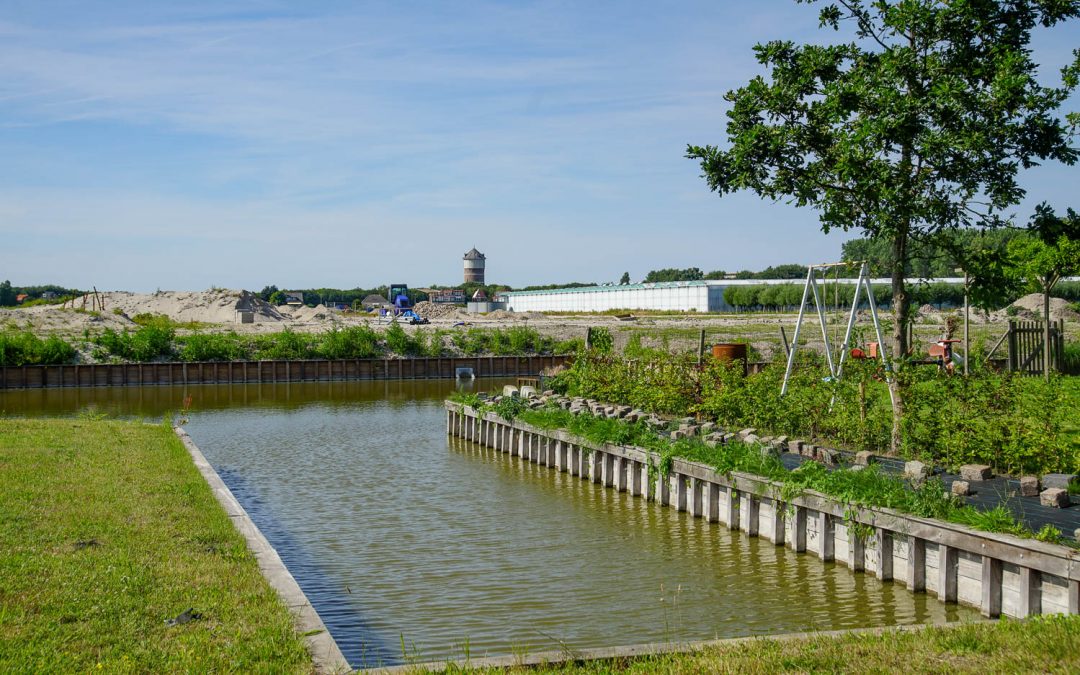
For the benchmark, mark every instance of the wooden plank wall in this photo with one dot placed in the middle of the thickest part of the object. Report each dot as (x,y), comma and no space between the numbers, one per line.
(241,372)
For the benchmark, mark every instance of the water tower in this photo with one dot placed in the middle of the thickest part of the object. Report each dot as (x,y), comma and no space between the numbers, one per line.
(474,266)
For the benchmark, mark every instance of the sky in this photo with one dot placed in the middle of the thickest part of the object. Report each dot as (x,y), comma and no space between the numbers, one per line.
(186,145)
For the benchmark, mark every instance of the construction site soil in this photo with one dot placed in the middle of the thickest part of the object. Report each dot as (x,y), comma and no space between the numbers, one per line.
(221,310)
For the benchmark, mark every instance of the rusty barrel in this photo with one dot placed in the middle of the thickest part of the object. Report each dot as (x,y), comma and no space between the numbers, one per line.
(731,351)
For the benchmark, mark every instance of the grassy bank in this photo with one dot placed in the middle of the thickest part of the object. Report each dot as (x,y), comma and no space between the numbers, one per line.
(107,531)
(1045,644)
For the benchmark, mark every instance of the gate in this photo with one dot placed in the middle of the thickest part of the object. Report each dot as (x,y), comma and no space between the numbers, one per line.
(1025,340)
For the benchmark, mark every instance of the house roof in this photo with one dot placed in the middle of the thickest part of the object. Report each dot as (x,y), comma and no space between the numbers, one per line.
(473,254)
(374,299)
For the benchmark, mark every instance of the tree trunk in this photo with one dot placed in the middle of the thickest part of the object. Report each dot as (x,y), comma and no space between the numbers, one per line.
(900,341)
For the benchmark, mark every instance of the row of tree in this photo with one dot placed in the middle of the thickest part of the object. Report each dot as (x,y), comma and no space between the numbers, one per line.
(9,294)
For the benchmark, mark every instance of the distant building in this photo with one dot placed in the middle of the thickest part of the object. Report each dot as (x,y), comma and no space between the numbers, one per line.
(21,297)
(48,295)
(448,295)
(374,301)
(474,266)
(294,298)
(479,295)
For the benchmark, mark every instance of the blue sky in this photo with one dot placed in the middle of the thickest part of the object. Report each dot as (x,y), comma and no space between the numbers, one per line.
(187,145)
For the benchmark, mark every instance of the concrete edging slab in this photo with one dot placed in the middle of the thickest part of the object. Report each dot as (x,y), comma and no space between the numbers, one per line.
(325,653)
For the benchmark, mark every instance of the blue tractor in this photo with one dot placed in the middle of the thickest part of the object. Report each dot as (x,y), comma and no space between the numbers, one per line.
(402,307)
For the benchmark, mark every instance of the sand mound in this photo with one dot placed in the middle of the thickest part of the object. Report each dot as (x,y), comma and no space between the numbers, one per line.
(308,314)
(1031,307)
(212,306)
(431,310)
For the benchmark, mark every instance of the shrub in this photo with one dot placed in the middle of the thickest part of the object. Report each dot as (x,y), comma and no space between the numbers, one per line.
(23,348)
(357,342)
(284,346)
(150,342)
(400,342)
(213,347)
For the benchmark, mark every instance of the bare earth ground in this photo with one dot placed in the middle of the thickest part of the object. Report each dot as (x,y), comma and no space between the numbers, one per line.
(215,310)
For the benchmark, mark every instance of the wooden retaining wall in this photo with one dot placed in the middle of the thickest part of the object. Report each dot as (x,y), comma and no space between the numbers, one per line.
(242,372)
(997,573)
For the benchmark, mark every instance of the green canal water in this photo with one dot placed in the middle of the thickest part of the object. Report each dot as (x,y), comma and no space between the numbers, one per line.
(412,545)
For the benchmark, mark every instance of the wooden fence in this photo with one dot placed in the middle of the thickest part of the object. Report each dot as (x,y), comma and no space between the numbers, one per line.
(1026,353)
(241,372)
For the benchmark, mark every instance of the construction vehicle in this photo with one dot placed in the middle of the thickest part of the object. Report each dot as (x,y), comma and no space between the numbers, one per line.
(401,307)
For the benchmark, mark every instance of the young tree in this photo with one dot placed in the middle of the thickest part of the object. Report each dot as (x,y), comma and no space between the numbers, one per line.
(625,279)
(1042,260)
(919,124)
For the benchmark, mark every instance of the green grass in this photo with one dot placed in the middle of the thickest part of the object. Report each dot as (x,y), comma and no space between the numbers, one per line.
(1042,644)
(107,530)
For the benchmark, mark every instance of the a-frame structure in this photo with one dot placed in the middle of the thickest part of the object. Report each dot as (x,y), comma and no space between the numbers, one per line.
(836,369)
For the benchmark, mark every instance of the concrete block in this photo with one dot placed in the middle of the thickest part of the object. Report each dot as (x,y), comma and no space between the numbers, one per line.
(916,471)
(781,440)
(678,434)
(795,447)
(975,472)
(751,438)
(865,457)
(1057,480)
(707,428)
(747,432)
(961,488)
(829,456)
(1055,497)
(1076,534)
(1029,486)
(809,450)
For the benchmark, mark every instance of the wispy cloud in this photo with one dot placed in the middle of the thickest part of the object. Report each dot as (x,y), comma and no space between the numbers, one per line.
(547,128)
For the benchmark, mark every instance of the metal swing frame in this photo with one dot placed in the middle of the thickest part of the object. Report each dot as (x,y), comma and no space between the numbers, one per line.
(836,370)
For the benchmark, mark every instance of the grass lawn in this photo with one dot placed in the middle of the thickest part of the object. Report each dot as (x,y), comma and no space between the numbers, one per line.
(107,530)
(1044,644)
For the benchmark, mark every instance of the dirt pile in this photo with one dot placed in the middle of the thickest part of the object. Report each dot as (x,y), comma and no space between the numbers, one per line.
(308,314)
(1031,307)
(431,310)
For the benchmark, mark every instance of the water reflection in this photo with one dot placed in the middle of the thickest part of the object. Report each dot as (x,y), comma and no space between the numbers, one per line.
(401,536)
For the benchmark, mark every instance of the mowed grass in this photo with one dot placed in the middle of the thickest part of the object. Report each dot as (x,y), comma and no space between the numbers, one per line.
(107,530)
(1043,645)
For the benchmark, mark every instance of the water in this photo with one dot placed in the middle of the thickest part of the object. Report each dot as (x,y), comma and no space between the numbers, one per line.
(415,546)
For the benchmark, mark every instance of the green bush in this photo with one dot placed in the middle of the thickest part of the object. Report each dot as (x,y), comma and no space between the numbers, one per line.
(357,342)
(23,348)
(151,342)
(213,347)
(285,345)
(399,342)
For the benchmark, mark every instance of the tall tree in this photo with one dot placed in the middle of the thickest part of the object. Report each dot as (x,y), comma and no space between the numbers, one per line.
(7,294)
(625,279)
(919,123)
(1042,260)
